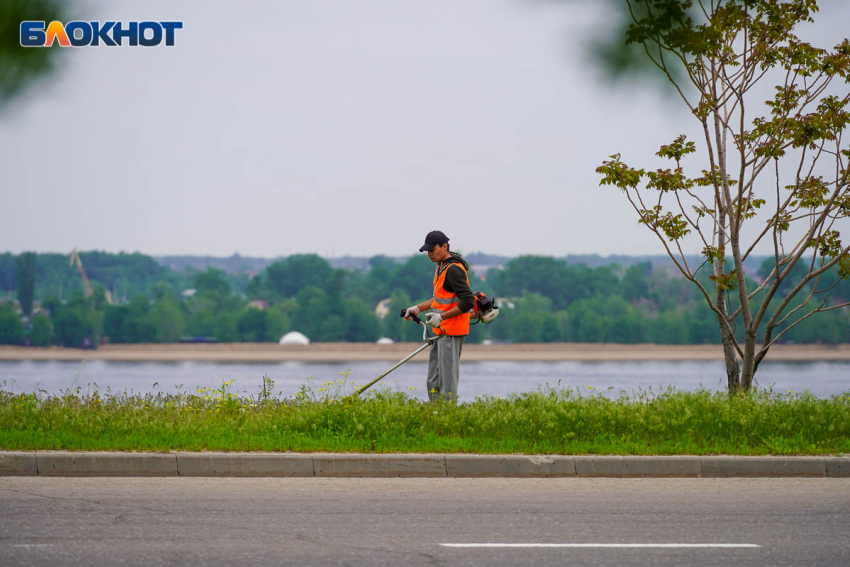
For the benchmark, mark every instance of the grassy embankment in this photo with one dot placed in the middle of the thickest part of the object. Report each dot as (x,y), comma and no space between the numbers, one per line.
(558,421)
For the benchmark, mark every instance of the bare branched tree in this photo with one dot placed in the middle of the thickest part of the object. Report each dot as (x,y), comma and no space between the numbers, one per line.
(795,154)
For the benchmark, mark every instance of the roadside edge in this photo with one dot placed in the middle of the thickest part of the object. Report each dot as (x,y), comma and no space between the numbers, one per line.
(434,465)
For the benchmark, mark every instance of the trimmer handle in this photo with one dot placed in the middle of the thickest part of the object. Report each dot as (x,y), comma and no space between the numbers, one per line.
(414,317)
(425,335)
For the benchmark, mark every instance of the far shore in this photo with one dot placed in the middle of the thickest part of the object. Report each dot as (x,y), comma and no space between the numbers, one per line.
(343,352)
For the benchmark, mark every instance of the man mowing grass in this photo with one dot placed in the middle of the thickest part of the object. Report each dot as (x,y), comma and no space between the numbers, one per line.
(450,306)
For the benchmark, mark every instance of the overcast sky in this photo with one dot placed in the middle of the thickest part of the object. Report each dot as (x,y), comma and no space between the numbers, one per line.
(282,127)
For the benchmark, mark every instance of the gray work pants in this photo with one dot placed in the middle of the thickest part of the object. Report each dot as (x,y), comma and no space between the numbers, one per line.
(444,368)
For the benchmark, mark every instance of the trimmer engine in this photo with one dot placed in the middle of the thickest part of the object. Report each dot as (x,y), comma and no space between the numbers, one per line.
(485,307)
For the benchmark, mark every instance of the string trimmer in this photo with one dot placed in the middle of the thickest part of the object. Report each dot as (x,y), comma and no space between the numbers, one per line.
(485,311)
(429,340)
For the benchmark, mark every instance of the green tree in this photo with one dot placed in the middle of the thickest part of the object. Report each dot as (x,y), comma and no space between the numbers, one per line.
(635,282)
(19,66)
(377,284)
(215,301)
(525,324)
(51,305)
(415,277)
(798,273)
(553,278)
(550,330)
(670,328)
(8,273)
(396,328)
(161,290)
(212,281)
(201,323)
(624,322)
(793,153)
(381,261)
(72,327)
(124,275)
(251,325)
(534,303)
(113,323)
(136,323)
(500,329)
(258,288)
(525,327)
(277,322)
(330,328)
(41,330)
(586,324)
(166,319)
(319,315)
(214,293)
(11,328)
(287,277)
(542,275)
(25,264)
(702,327)
(618,60)
(225,327)
(361,323)
(833,328)
(563,320)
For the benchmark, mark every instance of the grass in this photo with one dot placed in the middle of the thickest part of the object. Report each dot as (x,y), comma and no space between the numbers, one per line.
(550,420)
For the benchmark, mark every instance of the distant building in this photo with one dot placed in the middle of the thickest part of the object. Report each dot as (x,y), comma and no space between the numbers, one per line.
(383,308)
(187,293)
(259,304)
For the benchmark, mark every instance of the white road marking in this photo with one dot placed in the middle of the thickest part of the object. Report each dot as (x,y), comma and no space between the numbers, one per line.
(661,545)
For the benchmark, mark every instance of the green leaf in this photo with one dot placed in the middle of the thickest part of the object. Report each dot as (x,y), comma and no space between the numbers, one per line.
(676,149)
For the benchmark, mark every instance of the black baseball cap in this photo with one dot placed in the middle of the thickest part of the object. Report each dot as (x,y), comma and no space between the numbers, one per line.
(434,238)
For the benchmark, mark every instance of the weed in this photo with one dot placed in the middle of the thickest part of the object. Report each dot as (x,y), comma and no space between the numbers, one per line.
(555,420)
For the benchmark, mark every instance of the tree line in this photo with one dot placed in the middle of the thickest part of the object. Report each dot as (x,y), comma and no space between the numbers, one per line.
(543,299)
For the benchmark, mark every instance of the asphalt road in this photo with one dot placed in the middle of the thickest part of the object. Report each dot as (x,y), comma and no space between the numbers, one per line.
(316,521)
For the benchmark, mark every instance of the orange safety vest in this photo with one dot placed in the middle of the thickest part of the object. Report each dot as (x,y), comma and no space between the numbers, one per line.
(444,300)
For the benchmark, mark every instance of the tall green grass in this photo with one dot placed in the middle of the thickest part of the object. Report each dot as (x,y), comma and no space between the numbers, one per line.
(551,420)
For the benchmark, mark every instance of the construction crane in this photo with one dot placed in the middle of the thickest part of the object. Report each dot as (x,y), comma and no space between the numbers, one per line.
(75,259)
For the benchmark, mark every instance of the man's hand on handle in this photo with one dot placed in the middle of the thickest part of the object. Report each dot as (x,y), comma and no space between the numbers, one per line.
(433,320)
(410,311)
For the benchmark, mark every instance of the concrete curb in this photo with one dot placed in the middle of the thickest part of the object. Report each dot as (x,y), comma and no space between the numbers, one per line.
(62,463)
(359,465)
(18,464)
(244,464)
(478,466)
(639,466)
(208,464)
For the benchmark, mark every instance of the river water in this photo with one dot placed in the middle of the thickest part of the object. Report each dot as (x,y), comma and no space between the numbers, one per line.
(823,379)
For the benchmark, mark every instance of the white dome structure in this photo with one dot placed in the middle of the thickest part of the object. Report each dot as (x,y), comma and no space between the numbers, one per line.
(294,338)
(385,341)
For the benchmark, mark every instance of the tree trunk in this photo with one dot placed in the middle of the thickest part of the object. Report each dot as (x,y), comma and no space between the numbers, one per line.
(25,267)
(748,367)
(727,338)
(731,357)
